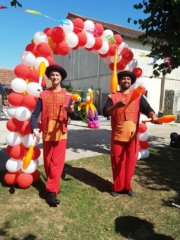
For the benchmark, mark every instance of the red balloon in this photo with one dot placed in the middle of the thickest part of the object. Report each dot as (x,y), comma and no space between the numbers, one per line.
(24,128)
(22,71)
(57,34)
(51,60)
(111,66)
(137,72)
(121,64)
(36,175)
(82,39)
(78,25)
(10,178)
(17,151)
(43,84)
(89,49)
(43,50)
(144,91)
(124,51)
(112,49)
(24,180)
(98,43)
(103,55)
(8,148)
(29,102)
(118,39)
(75,48)
(143,144)
(99,28)
(36,153)
(31,48)
(142,128)
(48,32)
(34,76)
(127,56)
(63,48)
(12,125)
(15,99)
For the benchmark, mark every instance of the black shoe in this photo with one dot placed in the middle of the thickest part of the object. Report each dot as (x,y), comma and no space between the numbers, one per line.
(52,200)
(114,194)
(130,193)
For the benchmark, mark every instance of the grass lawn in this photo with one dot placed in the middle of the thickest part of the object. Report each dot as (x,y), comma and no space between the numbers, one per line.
(88,212)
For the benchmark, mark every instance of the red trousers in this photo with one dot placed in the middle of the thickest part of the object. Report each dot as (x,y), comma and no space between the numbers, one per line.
(123,161)
(54,158)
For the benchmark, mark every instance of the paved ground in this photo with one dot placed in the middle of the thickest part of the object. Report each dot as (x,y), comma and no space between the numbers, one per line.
(84,142)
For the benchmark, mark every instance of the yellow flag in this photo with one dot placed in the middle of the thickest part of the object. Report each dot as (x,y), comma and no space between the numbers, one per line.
(32,11)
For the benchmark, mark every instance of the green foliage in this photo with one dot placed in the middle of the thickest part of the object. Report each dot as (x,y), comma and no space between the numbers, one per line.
(161,30)
(81,115)
(15,3)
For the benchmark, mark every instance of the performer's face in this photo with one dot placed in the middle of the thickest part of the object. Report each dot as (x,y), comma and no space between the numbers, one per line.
(124,82)
(55,78)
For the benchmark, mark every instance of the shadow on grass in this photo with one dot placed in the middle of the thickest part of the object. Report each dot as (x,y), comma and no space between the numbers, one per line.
(161,171)
(137,229)
(87,177)
(4,233)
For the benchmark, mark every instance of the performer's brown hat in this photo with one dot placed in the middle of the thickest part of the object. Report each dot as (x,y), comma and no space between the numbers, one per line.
(56,68)
(129,74)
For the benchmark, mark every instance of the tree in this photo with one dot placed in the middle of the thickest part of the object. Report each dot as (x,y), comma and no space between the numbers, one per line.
(15,3)
(162,30)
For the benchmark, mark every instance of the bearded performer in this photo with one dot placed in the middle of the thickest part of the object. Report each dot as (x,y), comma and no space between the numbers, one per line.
(124,138)
(55,105)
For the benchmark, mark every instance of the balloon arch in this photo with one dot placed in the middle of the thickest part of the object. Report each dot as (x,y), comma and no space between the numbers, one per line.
(60,40)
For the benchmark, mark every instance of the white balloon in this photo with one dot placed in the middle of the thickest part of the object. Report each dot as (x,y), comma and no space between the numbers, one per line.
(134,63)
(27,140)
(90,41)
(38,61)
(13,165)
(22,113)
(133,86)
(71,39)
(140,81)
(27,58)
(40,37)
(13,138)
(144,153)
(117,59)
(104,49)
(106,33)
(68,28)
(34,89)
(11,111)
(139,155)
(142,117)
(107,60)
(18,85)
(31,167)
(89,25)
(121,47)
(143,136)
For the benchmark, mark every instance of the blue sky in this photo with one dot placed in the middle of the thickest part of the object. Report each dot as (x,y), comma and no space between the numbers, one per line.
(17,28)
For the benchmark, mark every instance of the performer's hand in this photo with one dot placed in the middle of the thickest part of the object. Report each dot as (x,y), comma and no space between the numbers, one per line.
(120,104)
(69,109)
(36,133)
(154,118)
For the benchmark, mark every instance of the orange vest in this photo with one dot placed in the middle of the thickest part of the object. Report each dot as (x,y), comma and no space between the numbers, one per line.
(124,126)
(52,103)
